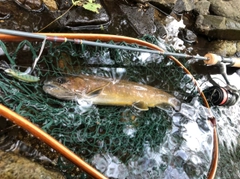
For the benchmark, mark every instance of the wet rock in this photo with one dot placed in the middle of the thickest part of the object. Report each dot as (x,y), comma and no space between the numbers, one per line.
(218,27)
(79,18)
(4,13)
(212,18)
(223,47)
(31,5)
(218,19)
(51,5)
(164,5)
(160,29)
(21,19)
(182,6)
(202,7)
(139,19)
(187,35)
(63,5)
(14,166)
(228,9)
(140,1)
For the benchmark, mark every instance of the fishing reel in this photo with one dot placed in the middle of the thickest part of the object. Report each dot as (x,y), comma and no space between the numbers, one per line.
(221,96)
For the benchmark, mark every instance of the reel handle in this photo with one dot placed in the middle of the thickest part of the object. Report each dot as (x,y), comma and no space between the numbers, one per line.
(214,59)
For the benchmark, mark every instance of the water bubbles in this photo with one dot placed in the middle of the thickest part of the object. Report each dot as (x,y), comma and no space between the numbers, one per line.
(81,136)
(117,74)
(172,27)
(181,154)
(110,166)
(178,44)
(188,111)
(177,119)
(187,84)
(84,105)
(1,52)
(112,170)
(174,173)
(100,163)
(191,139)
(130,130)
(228,126)
(203,125)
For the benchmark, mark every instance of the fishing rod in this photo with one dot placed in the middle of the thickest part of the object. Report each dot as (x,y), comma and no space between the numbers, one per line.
(209,59)
(99,44)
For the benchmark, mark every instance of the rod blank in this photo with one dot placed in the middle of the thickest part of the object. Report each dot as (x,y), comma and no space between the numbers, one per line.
(99,44)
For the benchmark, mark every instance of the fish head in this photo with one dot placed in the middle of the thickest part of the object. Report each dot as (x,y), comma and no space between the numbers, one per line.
(66,88)
(175,103)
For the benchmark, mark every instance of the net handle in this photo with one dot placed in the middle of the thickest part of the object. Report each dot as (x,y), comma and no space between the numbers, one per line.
(118,38)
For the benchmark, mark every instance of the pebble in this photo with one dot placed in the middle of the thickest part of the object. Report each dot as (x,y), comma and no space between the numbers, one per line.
(51,5)
(31,5)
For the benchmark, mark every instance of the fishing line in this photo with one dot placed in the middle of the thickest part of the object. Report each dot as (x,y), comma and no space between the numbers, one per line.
(40,53)
(57,18)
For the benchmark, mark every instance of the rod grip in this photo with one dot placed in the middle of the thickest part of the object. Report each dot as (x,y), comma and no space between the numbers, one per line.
(236,62)
(214,59)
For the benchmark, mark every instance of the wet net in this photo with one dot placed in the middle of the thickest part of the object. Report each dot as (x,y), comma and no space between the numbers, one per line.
(101,135)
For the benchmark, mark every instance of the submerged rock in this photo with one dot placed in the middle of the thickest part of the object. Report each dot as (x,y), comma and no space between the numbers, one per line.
(218,19)
(187,35)
(14,166)
(213,18)
(227,8)
(5,13)
(139,19)
(224,47)
(202,7)
(218,27)
(31,5)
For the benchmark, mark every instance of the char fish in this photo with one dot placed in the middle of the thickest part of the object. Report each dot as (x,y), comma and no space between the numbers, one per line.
(106,91)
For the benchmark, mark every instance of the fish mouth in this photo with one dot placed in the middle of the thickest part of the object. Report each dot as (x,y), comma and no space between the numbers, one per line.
(50,85)
(47,86)
(57,91)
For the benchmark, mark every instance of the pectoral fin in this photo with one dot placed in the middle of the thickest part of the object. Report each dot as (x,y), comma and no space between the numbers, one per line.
(140,105)
(94,93)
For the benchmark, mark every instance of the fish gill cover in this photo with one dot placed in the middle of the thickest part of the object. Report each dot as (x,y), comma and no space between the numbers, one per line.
(121,142)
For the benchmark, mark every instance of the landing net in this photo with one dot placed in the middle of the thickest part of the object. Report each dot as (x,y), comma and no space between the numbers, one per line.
(101,135)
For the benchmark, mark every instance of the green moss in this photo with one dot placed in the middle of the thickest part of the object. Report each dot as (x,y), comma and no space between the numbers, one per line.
(90,5)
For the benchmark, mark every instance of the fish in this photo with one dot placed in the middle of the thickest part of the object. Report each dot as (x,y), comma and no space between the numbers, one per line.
(107,91)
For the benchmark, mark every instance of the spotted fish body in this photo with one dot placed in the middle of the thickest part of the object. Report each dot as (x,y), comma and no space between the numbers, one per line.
(106,91)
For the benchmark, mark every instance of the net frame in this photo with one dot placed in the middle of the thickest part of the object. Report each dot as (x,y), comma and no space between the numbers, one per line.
(105,37)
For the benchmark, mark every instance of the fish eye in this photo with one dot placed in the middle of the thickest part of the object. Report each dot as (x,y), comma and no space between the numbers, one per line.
(61,80)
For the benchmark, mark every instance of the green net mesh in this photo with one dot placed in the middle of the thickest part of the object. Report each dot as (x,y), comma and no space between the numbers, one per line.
(119,131)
